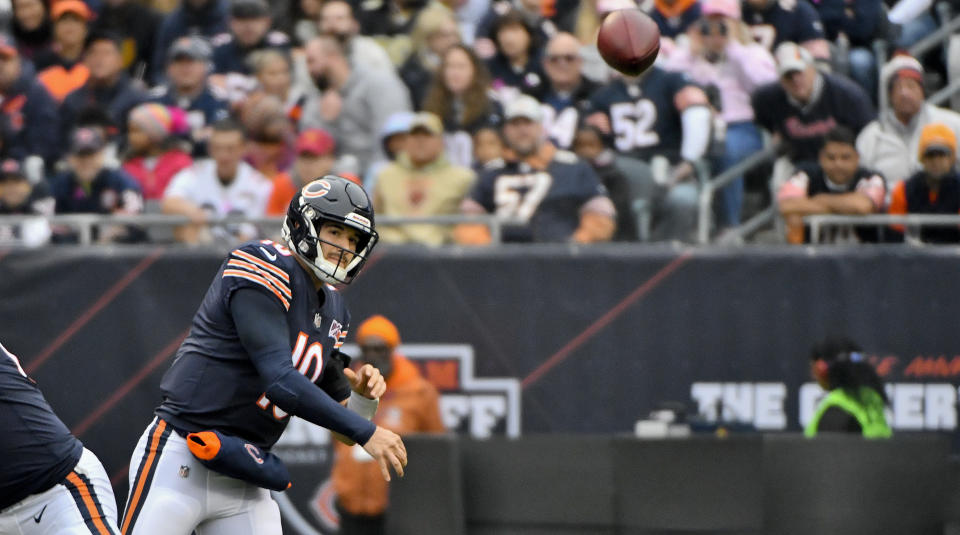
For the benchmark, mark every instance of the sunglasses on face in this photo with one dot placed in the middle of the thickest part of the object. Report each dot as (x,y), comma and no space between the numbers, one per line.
(710,27)
(567,58)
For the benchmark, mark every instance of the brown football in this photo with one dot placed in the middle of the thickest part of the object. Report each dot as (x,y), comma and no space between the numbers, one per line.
(629,41)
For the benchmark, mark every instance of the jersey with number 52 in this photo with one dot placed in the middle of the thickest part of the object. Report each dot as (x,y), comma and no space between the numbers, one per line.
(645,116)
(213,384)
(545,202)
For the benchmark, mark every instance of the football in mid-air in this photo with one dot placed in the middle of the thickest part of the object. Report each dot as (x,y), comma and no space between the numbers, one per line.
(629,41)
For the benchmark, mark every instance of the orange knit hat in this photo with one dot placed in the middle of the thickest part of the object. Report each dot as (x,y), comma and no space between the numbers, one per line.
(937,136)
(380,327)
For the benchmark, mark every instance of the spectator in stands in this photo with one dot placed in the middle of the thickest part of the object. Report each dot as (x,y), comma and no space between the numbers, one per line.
(108,86)
(421,182)
(720,52)
(202,18)
(61,69)
(516,66)
(393,139)
(935,189)
(187,88)
(389,18)
(889,144)
(594,147)
(459,95)
(31,27)
(137,25)
(307,21)
(856,401)
(155,155)
(555,196)
(674,17)
(411,405)
(273,70)
(566,92)
(806,104)
(89,187)
(315,158)
(487,146)
(223,185)
(663,119)
(533,13)
(857,23)
(249,33)
(837,184)
(354,103)
(18,196)
(775,22)
(435,31)
(31,118)
(337,21)
(270,134)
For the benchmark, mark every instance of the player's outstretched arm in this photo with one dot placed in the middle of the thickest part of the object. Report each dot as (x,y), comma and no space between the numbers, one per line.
(386,447)
(262,327)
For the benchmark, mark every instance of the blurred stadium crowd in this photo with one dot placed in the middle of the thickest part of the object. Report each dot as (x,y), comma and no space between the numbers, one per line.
(211,109)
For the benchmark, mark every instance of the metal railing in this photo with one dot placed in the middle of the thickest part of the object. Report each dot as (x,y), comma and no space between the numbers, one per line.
(709,190)
(86,224)
(911,222)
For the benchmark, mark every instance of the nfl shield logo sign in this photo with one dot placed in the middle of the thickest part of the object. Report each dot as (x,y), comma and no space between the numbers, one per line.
(317,320)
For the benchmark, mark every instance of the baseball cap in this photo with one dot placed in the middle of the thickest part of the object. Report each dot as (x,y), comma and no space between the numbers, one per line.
(792,57)
(427,121)
(315,141)
(86,140)
(8,47)
(195,48)
(249,9)
(725,8)
(76,7)
(937,137)
(523,106)
(11,169)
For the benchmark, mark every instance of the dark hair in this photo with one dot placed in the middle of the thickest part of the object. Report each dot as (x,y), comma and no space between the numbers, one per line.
(476,100)
(229,125)
(515,17)
(847,367)
(840,134)
(352,10)
(96,36)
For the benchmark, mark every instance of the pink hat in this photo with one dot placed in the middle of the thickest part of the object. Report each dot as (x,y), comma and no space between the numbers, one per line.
(725,8)
(154,119)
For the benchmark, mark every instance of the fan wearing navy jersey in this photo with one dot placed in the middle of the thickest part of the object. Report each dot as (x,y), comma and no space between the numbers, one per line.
(551,195)
(264,345)
(663,119)
(773,22)
(49,483)
(566,92)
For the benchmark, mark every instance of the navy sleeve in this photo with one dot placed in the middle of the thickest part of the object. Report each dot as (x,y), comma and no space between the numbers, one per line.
(589,185)
(44,120)
(808,25)
(262,328)
(483,190)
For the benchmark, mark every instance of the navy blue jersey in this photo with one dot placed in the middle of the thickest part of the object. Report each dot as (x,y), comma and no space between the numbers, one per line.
(795,21)
(213,384)
(547,200)
(644,118)
(675,25)
(563,112)
(36,450)
(110,191)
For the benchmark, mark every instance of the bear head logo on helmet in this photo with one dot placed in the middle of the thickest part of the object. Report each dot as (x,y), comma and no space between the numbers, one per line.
(330,199)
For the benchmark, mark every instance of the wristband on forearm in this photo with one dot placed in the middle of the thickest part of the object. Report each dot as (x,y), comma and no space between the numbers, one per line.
(363,405)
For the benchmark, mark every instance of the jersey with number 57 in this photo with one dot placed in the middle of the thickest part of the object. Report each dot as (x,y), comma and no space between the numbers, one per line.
(213,383)
(546,200)
(645,113)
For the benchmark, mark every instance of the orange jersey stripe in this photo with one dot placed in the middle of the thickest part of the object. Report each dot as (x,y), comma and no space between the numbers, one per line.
(88,502)
(265,265)
(284,289)
(142,480)
(259,280)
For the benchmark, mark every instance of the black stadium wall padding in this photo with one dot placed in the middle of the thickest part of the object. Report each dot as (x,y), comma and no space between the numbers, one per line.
(589,339)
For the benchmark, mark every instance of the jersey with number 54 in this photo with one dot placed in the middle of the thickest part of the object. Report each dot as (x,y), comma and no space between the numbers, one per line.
(545,201)
(213,384)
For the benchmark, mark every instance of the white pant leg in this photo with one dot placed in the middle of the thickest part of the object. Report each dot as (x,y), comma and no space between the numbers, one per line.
(82,504)
(178,494)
